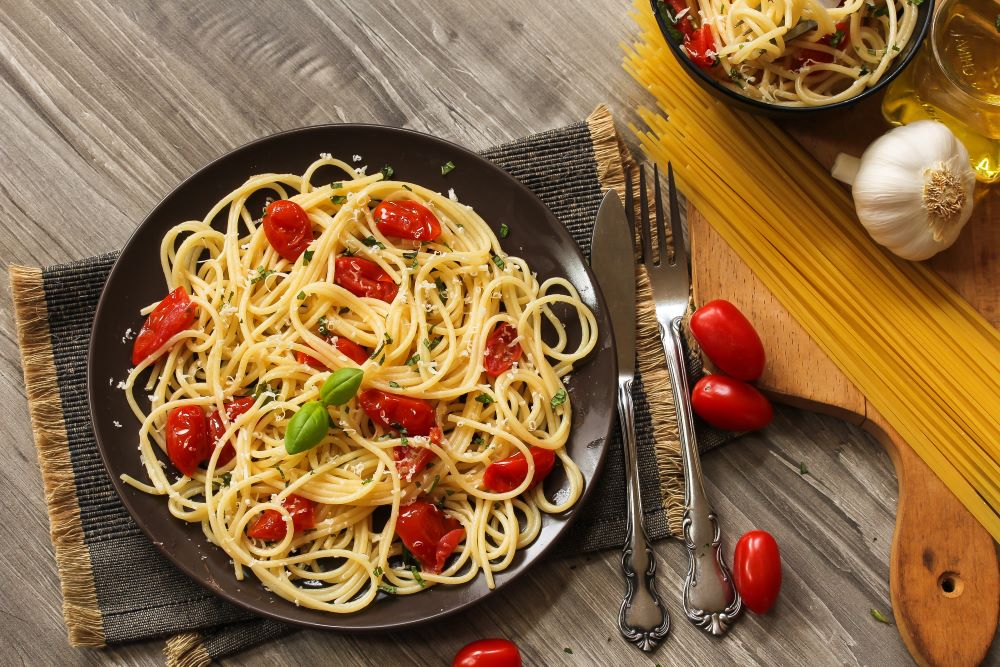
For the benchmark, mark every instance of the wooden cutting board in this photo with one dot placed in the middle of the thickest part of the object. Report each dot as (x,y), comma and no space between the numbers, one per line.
(944,578)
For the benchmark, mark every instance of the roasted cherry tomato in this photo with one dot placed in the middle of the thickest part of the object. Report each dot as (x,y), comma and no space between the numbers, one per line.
(429,534)
(839,39)
(501,351)
(406,220)
(757,570)
(170,317)
(217,428)
(730,404)
(347,347)
(700,46)
(187,438)
(397,413)
(410,460)
(729,340)
(684,24)
(488,653)
(507,474)
(363,278)
(287,228)
(270,524)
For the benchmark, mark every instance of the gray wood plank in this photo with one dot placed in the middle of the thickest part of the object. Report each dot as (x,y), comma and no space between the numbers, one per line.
(108,105)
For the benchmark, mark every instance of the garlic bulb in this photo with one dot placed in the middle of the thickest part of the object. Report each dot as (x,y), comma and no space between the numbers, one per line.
(912,188)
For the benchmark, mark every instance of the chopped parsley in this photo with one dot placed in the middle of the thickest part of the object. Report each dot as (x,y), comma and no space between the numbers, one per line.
(431,344)
(263,388)
(447,168)
(301,295)
(407,187)
(386,588)
(322,326)
(504,230)
(338,199)
(262,274)
(895,48)
(393,384)
(387,172)
(437,478)
(281,472)
(485,399)
(498,261)
(558,399)
(226,479)
(478,441)
(412,361)
(410,255)
(387,337)
(836,38)
(416,576)
(372,242)
(568,650)
(308,255)
(880,617)
(736,77)
(803,470)
(378,571)
(377,351)
(442,289)
(368,480)
(336,185)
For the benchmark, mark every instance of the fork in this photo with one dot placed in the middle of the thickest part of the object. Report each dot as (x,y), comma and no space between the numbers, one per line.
(710,600)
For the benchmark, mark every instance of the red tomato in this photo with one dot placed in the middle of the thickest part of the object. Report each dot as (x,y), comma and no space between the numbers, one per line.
(429,534)
(683,24)
(347,347)
(757,570)
(270,524)
(501,351)
(170,317)
(234,409)
(842,37)
(730,404)
(488,653)
(507,474)
(411,461)
(363,278)
(187,438)
(436,435)
(700,46)
(729,340)
(287,228)
(396,412)
(406,220)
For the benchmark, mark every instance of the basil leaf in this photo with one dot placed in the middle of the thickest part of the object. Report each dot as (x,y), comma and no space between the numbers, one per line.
(341,386)
(307,427)
(485,399)
(558,399)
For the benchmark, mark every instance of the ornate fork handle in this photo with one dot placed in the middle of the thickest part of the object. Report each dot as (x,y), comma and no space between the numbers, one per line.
(710,600)
(643,620)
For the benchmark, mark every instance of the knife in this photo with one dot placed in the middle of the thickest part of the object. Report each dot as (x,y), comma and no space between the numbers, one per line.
(642,620)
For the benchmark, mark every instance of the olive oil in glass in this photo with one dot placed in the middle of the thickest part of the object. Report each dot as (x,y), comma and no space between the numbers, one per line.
(955,79)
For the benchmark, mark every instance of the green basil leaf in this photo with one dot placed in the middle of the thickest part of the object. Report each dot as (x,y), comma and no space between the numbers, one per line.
(307,427)
(558,399)
(341,386)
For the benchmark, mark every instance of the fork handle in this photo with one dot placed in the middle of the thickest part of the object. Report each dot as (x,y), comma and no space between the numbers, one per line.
(710,600)
(643,620)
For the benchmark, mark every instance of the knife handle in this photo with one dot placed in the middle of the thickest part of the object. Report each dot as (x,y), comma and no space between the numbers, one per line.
(642,620)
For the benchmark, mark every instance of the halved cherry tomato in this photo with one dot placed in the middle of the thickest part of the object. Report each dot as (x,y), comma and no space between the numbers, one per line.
(507,474)
(217,429)
(842,35)
(411,460)
(757,570)
(488,653)
(436,435)
(170,317)
(730,404)
(684,24)
(501,351)
(187,438)
(270,524)
(347,347)
(406,220)
(729,340)
(700,46)
(363,278)
(429,534)
(287,228)
(396,412)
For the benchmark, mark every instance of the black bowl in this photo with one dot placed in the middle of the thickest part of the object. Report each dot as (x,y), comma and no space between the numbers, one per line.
(925,11)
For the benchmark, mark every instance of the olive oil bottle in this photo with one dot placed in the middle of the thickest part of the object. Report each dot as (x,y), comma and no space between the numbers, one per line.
(955,79)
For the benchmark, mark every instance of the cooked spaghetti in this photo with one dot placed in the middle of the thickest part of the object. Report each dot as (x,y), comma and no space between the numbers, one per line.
(462,408)
(793,52)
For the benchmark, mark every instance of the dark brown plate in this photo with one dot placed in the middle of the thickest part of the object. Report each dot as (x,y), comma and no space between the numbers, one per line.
(137,280)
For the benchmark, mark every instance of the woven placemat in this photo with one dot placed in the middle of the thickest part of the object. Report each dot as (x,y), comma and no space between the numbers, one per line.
(96,540)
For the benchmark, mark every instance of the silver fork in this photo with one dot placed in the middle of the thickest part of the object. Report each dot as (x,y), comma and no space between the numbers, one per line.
(710,600)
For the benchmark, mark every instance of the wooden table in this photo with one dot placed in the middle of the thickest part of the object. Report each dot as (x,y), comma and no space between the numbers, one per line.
(107,108)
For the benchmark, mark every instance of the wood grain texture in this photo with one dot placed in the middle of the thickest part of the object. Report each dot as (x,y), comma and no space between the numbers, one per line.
(108,105)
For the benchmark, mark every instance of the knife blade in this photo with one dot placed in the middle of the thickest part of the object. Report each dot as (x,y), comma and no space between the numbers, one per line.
(612,257)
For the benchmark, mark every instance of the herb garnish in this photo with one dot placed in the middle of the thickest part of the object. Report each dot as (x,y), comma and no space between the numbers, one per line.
(416,576)
(504,230)
(372,242)
(387,172)
(498,261)
(308,255)
(321,326)
(301,295)
(386,588)
(803,470)
(880,617)
(412,361)
(485,399)
(431,344)
(558,399)
(262,274)
(447,168)
(338,199)
(378,571)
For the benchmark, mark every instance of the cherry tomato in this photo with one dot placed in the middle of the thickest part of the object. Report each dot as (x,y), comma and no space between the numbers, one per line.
(488,653)
(396,412)
(270,524)
(429,534)
(187,438)
(406,220)
(730,404)
(838,39)
(363,278)
(170,317)
(347,347)
(234,409)
(411,461)
(436,435)
(700,46)
(729,340)
(757,570)
(287,228)
(501,351)
(507,474)
(684,24)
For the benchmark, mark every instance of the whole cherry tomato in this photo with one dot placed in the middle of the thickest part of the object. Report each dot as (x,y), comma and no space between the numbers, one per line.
(488,653)
(270,524)
(411,461)
(347,347)
(700,46)
(501,351)
(287,228)
(406,220)
(396,412)
(730,404)
(363,278)
(507,474)
(729,340)
(234,409)
(170,317)
(429,534)
(187,438)
(838,39)
(757,570)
